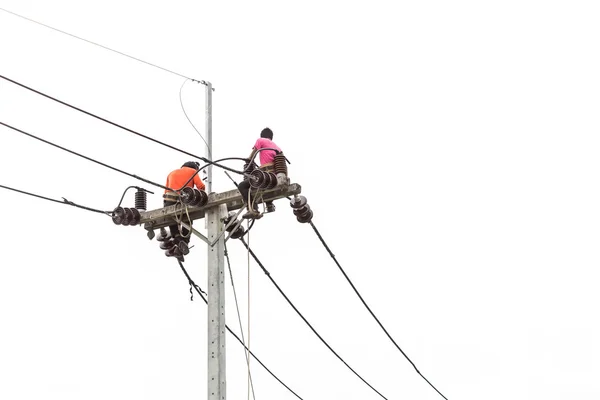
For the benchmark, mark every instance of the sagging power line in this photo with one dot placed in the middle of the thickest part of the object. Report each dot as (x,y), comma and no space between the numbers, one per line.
(204,159)
(261,176)
(369,308)
(84,157)
(306,321)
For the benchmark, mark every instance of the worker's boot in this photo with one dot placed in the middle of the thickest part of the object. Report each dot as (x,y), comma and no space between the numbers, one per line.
(270,207)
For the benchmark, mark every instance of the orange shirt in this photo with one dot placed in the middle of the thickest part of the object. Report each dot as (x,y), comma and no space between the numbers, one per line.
(179,177)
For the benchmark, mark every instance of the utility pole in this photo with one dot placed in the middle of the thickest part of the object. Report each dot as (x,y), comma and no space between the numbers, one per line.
(215,211)
(217,207)
(216,303)
(216,367)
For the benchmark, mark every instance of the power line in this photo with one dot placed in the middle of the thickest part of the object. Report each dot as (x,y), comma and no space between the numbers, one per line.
(64,201)
(306,321)
(200,292)
(369,309)
(85,157)
(204,159)
(99,45)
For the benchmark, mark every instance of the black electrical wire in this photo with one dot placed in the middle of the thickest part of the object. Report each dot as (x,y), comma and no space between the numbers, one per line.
(65,201)
(306,321)
(121,126)
(85,157)
(369,309)
(99,45)
(200,291)
(205,166)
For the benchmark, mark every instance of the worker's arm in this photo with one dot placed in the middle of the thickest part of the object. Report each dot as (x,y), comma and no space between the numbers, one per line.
(198,182)
(251,158)
(253,154)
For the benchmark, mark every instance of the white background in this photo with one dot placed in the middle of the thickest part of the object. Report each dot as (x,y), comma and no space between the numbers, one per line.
(449,151)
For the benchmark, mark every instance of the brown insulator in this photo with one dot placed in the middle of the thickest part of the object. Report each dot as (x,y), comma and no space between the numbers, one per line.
(128,217)
(301,211)
(167,244)
(298,202)
(201,197)
(257,178)
(163,235)
(273,181)
(188,196)
(171,252)
(266,180)
(280,164)
(238,233)
(304,218)
(136,216)
(117,215)
(140,199)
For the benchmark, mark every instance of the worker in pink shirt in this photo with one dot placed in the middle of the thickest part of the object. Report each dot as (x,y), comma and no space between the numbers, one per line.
(267,150)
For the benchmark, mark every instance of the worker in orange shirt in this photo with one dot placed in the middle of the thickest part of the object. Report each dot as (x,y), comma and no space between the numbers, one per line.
(177,244)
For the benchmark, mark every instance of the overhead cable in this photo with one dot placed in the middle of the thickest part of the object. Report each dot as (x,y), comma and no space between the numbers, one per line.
(200,292)
(121,126)
(99,45)
(369,309)
(64,201)
(306,321)
(85,157)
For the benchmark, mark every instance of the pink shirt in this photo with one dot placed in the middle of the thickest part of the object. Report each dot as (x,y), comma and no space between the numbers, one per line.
(266,156)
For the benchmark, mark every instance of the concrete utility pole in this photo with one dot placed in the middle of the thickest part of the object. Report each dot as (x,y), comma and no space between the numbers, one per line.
(216,290)
(216,303)
(215,211)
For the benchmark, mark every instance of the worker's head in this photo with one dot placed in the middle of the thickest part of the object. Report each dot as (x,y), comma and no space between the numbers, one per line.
(267,133)
(192,164)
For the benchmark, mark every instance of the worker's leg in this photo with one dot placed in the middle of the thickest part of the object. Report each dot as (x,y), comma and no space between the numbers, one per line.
(173,228)
(269,204)
(244,189)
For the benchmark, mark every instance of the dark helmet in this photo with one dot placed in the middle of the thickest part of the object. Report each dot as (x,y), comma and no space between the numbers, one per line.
(267,133)
(192,164)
